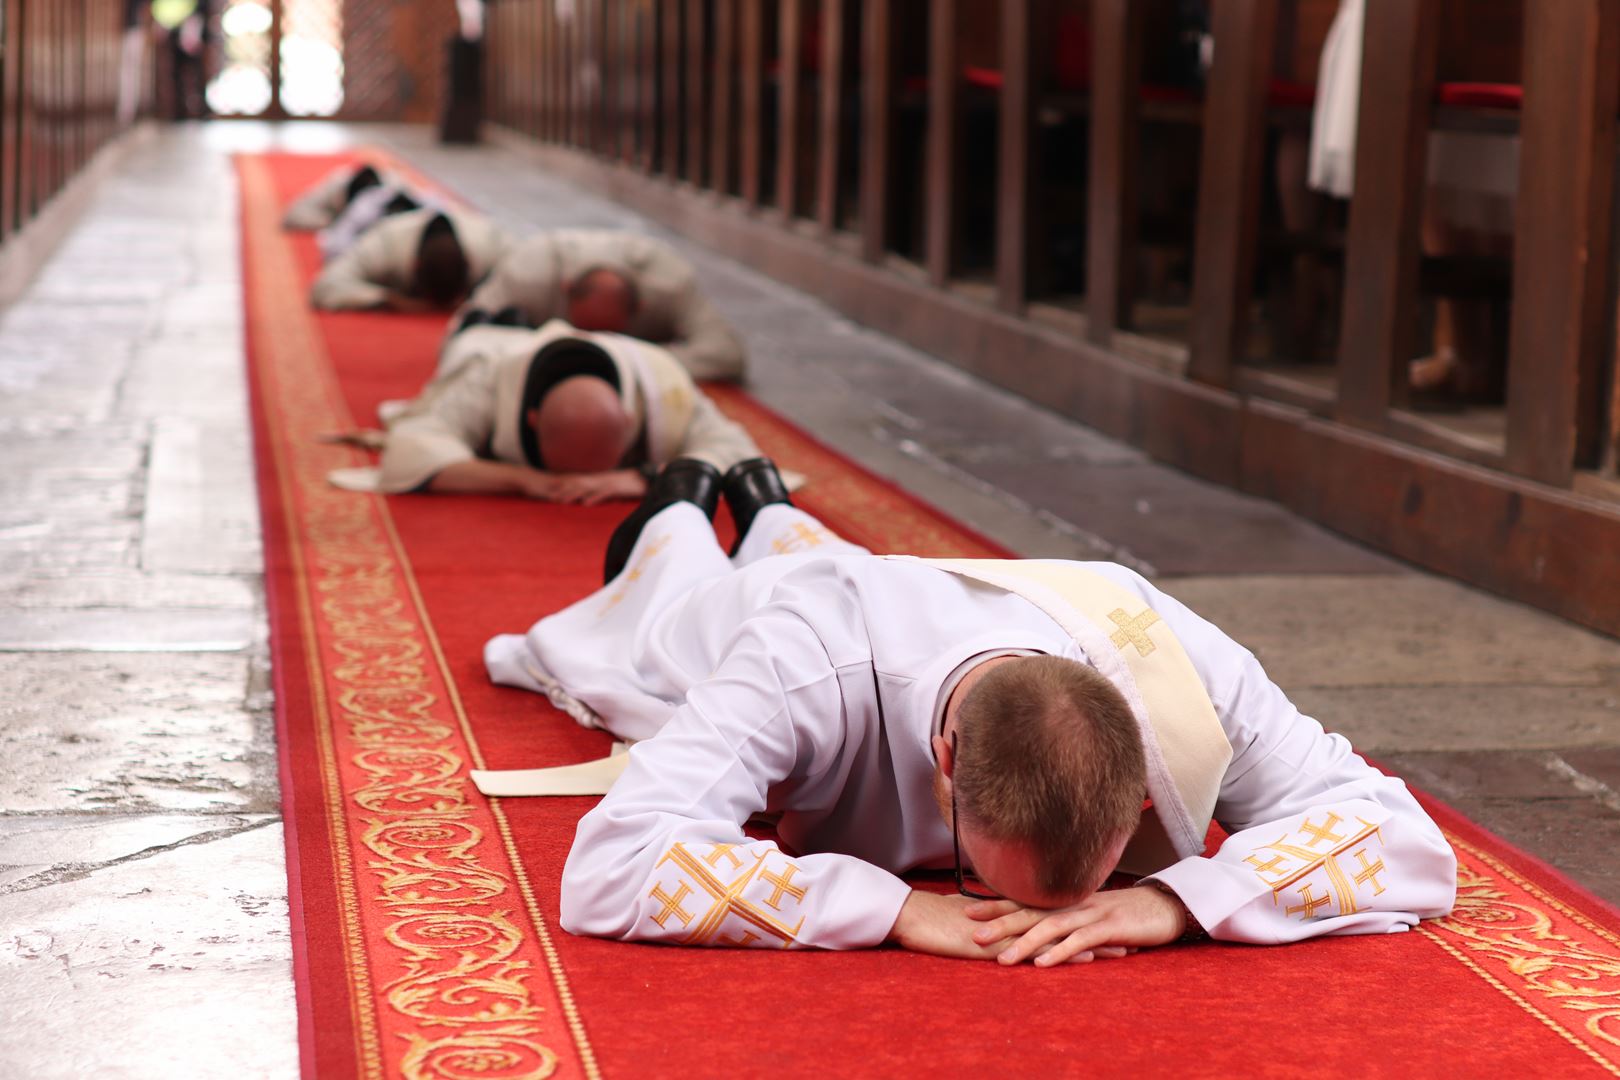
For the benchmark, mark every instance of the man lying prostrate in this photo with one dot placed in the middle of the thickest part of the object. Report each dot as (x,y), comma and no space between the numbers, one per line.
(606,280)
(1007,717)
(421,260)
(554,414)
(322,204)
(366,209)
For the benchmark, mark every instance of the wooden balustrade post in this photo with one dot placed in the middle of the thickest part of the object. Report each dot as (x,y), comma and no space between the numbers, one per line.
(1229,183)
(790,31)
(725,56)
(697,82)
(11,68)
(1561,298)
(751,35)
(1015,174)
(1111,213)
(943,136)
(877,125)
(1386,212)
(830,142)
(669,137)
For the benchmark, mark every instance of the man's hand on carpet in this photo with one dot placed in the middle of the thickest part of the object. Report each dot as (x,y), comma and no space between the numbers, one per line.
(406,304)
(592,489)
(938,925)
(1104,925)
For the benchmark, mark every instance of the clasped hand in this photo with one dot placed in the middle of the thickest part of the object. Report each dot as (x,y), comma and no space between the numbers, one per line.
(1105,925)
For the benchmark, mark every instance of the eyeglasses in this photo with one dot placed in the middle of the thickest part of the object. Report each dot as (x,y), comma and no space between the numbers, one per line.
(956,843)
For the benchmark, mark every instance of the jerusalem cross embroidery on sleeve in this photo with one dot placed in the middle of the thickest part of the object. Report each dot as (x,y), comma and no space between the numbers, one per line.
(720,897)
(1324,867)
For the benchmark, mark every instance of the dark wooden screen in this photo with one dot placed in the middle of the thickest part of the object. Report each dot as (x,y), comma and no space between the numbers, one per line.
(58,97)
(926,141)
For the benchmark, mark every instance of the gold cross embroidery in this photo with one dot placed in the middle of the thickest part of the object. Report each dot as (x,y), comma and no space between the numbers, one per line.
(1274,865)
(672,905)
(802,536)
(723,851)
(1133,631)
(728,900)
(1327,861)
(1311,903)
(1320,833)
(633,574)
(747,939)
(1370,872)
(782,885)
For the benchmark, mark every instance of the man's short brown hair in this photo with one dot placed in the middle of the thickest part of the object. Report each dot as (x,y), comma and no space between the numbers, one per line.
(1048,754)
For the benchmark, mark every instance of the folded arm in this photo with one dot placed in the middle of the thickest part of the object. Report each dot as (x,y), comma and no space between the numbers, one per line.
(664,856)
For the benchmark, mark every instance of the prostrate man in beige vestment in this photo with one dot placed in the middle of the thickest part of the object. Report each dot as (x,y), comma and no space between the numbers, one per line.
(325,202)
(555,414)
(614,281)
(417,261)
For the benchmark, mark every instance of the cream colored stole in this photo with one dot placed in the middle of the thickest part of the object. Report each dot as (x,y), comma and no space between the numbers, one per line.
(668,395)
(1186,748)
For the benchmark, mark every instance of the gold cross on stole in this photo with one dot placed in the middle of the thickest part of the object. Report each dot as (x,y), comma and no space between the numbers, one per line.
(1133,631)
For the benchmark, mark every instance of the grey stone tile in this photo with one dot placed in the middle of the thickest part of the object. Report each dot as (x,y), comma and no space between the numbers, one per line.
(201,510)
(1404,630)
(1508,774)
(126,589)
(196,380)
(41,850)
(135,733)
(1466,717)
(157,968)
(168,630)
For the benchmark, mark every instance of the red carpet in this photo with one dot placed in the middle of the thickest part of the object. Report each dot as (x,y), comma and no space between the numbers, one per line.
(424,915)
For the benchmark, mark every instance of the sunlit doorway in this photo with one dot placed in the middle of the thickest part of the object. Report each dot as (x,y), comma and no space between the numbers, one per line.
(279,58)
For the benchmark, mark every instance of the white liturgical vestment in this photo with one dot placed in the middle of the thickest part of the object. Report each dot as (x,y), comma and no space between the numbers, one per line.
(806,677)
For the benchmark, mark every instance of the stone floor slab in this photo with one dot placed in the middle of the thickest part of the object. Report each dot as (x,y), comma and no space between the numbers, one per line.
(132,732)
(200,515)
(126,589)
(1460,717)
(1406,630)
(186,379)
(154,969)
(149,630)
(41,850)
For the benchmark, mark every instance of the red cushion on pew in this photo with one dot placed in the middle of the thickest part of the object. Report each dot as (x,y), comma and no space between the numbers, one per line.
(1481,95)
(986,78)
(1286,92)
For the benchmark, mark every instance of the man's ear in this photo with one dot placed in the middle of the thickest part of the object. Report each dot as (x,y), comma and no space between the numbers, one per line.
(942,754)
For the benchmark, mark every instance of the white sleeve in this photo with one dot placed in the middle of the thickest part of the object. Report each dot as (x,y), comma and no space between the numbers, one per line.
(1321,842)
(704,341)
(358,278)
(664,856)
(713,437)
(448,424)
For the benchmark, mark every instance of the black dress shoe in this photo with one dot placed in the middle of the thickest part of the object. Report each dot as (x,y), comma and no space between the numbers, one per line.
(683,480)
(474,317)
(511,315)
(750,486)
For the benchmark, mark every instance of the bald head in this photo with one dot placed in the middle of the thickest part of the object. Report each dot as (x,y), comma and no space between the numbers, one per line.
(603,300)
(582,426)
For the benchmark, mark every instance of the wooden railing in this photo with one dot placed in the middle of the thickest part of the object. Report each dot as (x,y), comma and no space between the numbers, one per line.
(915,163)
(59,64)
